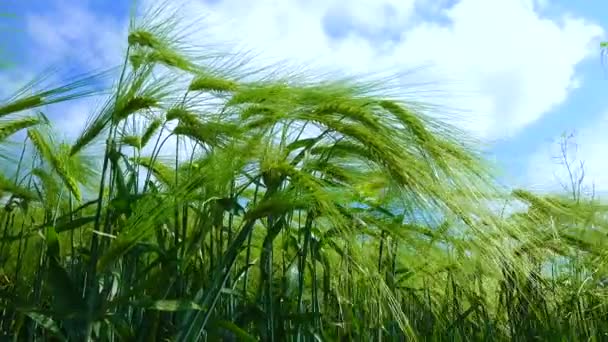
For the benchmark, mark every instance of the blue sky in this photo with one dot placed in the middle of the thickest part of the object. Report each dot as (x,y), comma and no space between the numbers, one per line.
(517,73)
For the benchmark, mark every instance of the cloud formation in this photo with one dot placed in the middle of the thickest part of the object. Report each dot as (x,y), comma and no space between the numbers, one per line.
(501,63)
(69,32)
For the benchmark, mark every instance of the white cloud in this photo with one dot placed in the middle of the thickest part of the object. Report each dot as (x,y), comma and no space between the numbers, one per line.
(502,63)
(73,38)
(73,33)
(499,61)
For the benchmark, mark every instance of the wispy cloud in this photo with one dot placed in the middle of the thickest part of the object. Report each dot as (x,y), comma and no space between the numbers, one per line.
(503,63)
(72,38)
(72,32)
(499,62)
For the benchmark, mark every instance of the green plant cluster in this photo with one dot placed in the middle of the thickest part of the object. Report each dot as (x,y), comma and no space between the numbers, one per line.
(239,203)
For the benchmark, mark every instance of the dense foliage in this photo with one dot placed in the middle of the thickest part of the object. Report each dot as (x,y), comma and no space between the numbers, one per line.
(291,208)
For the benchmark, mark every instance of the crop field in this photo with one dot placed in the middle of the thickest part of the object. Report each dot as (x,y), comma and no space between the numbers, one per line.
(211,198)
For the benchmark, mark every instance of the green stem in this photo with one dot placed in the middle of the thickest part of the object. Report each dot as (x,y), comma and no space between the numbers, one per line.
(195,324)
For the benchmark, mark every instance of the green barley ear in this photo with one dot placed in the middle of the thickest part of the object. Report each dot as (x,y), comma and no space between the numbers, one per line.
(137,58)
(353,111)
(141,93)
(59,166)
(411,121)
(256,94)
(159,38)
(131,140)
(210,133)
(175,113)
(212,84)
(21,104)
(13,126)
(49,184)
(150,131)
(162,172)
(31,96)
(8,186)
(254,110)
(94,129)
(133,105)
(144,38)
(181,114)
(40,144)
(171,58)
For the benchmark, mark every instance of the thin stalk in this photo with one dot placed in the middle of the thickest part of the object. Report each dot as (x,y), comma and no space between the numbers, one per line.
(90,288)
(192,330)
(248,252)
(302,269)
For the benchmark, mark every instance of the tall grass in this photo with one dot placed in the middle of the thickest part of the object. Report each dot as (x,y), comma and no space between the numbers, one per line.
(240,203)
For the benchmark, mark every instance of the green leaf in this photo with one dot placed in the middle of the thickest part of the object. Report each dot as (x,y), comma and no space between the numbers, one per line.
(168,305)
(121,327)
(52,243)
(241,334)
(46,322)
(73,224)
(60,227)
(67,298)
